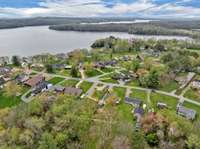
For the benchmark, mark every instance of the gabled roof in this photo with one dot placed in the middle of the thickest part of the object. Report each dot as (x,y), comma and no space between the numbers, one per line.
(139,110)
(73,91)
(35,80)
(188,113)
(134,101)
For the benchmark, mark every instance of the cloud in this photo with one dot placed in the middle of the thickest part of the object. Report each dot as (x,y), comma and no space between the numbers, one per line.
(91,8)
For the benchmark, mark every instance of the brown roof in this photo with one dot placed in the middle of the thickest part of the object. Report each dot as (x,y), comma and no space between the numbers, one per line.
(73,91)
(35,80)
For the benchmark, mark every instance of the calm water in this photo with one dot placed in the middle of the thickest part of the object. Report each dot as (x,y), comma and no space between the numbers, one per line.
(36,40)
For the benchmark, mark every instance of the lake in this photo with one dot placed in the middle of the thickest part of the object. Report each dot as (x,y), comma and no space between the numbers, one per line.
(29,41)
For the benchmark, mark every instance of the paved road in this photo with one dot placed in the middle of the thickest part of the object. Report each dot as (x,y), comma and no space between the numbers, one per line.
(95,81)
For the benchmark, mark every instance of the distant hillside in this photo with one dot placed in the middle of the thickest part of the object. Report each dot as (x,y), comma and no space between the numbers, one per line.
(152,28)
(13,23)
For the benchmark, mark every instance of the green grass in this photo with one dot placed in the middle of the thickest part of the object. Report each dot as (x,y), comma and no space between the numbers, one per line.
(107,70)
(92,73)
(6,101)
(192,106)
(170,86)
(120,92)
(133,83)
(55,80)
(85,86)
(170,101)
(139,94)
(98,94)
(109,80)
(192,94)
(63,72)
(124,110)
(69,83)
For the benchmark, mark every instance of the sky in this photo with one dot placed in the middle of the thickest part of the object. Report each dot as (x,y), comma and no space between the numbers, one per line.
(100,8)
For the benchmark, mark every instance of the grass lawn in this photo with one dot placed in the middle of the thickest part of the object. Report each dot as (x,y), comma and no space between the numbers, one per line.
(69,83)
(170,101)
(120,92)
(107,70)
(109,80)
(98,94)
(10,101)
(56,80)
(139,94)
(170,86)
(64,72)
(92,73)
(192,94)
(133,83)
(85,86)
(193,106)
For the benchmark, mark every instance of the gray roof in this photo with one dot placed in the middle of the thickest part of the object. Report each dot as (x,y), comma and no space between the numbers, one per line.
(139,110)
(2,81)
(59,88)
(73,91)
(186,112)
(134,101)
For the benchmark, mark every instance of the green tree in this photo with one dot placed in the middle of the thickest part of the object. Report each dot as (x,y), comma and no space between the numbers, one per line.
(135,65)
(47,142)
(16,61)
(153,79)
(12,89)
(193,142)
(49,68)
(74,71)
(152,139)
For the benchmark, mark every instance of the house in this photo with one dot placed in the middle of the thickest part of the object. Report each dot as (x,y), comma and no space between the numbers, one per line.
(59,89)
(4,60)
(99,65)
(42,86)
(73,91)
(190,114)
(122,77)
(68,67)
(126,58)
(5,70)
(134,102)
(2,82)
(183,81)
(35,81)
(140,57)
(195,84)
(161,105)
(138,113)
(58,66)
(22,78)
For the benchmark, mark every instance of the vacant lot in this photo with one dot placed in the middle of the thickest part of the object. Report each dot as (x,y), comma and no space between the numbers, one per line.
(55,80)
(70,83)
(170,101)
(85,86)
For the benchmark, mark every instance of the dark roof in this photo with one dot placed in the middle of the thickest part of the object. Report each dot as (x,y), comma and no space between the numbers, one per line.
(139,110)
(21,77)
(58,66)
(2,81)
(134,101)
(40,87)
(35,80)
(5,70)
(73,91)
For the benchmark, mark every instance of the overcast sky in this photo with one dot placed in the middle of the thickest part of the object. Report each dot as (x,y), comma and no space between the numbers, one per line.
(101,8)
